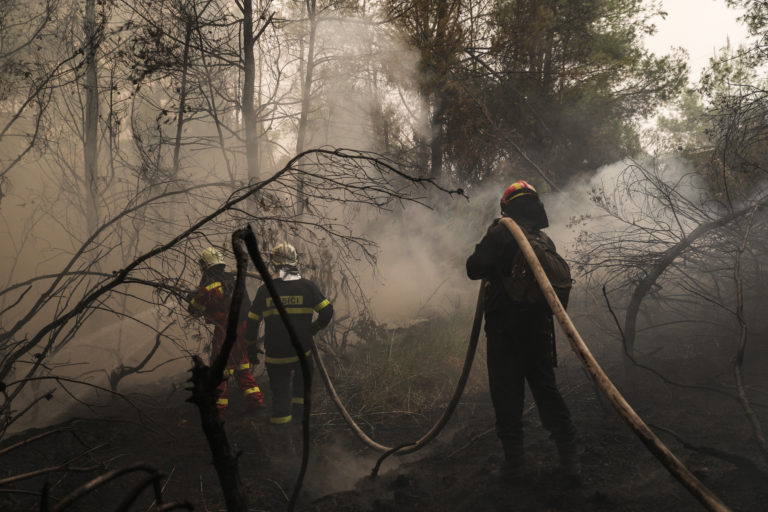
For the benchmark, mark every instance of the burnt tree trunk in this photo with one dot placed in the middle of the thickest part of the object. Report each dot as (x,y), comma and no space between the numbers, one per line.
(206,379)
(182,98)
(306,92)
(249,80)
(90,133)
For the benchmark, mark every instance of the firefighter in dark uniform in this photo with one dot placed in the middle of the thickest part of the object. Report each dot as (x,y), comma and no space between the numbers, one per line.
(302,299)
(521,341)
(211,301)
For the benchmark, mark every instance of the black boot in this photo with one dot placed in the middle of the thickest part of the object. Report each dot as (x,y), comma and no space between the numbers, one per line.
(516,466)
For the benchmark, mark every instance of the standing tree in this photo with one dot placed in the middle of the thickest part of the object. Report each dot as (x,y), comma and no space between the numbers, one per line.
(570,79)
(678,256)
(435,29)
(29,75)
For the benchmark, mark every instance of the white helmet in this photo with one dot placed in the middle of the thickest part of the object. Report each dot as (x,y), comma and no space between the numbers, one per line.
(284,254)
(210,257)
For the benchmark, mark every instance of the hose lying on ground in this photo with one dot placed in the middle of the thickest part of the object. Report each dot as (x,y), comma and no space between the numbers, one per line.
(439,424)
(653,443)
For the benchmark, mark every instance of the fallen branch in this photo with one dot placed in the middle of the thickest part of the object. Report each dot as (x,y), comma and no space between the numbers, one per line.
(154,481)
(99,481)
(32,439)
(655,372)
(738,362)
(732,458)
(44,471)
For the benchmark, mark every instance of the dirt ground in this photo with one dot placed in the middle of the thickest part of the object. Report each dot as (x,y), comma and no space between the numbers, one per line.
(454,473)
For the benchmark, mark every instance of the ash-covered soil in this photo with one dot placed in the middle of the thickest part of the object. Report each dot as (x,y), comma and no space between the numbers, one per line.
(454,473)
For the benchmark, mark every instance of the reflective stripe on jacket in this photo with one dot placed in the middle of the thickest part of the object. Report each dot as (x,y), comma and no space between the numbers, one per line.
(301,299)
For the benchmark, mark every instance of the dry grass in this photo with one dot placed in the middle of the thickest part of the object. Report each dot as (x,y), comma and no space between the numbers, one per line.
(411,370)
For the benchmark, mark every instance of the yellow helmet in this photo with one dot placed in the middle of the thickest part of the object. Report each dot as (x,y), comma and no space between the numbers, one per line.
(284,254)
(210,257)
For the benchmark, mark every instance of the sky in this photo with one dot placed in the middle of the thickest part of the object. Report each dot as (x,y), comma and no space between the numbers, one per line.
(699,26)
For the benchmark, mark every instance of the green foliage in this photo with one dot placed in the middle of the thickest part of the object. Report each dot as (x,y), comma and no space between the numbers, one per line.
(730,69)
(685,128)
(756,15)
(573,78)
(736,88)
(720,125)
(437,30)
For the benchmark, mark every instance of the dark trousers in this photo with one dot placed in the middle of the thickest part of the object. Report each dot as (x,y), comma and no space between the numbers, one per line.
(520,349)
(287,384)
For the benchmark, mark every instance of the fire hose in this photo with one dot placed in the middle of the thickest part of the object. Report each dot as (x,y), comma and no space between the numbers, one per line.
(673,465)
(676,468)
(638,426)
(439,424)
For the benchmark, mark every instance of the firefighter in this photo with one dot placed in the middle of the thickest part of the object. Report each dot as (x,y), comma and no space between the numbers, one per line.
(211,301)
(301,299)
(521,341)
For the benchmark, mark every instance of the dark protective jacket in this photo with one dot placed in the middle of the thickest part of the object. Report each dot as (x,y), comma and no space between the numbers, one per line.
(493,256)
(301,298)
(491,260)
(521,341)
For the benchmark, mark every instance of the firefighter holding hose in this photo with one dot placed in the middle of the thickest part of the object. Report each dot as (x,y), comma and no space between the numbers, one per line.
(211,301)
(302,299)
(520,338)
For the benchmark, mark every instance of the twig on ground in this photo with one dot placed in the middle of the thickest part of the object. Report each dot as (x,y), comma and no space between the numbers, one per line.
(99,481)
(732,458)
(658,374)
(32,439)
(279,487)
(162,489)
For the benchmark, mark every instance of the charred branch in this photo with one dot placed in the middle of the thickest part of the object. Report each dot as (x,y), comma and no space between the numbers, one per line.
(732,458)
(123,371)
(68,500)
(738,363)
(249,239)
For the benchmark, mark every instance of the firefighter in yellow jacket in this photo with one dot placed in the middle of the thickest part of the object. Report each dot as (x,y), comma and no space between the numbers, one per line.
(302,299)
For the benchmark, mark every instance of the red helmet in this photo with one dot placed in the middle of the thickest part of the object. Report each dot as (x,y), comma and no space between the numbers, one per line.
(515,190)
